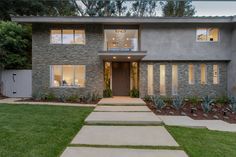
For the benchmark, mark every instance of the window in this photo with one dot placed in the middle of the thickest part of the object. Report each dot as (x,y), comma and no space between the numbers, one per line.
(208,34)
(203,74)
(215,74)
(150,79)
(67,36)
(191,75)
(162,80)
(121,39)
(174,79)
(68,75)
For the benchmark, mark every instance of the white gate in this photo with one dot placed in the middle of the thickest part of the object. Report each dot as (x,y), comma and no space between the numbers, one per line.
(17,83)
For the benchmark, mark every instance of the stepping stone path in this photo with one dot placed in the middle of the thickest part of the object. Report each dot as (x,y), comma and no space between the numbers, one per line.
(119,123)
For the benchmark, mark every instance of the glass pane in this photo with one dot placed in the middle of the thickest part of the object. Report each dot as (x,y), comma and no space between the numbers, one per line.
(162,80)
(174,79)
(121,40)
(68,36)
(55,37)
(150,79)
(213,34)
(203,74)
(191,74)
(201,34)
(57,75)
(80,75)
(79,37)
(68,75)
(215,74)
(134,75)
(107,76)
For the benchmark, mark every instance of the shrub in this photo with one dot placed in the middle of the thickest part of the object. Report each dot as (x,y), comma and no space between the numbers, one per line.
(166,99)
(95,96)
(73,98)
(134,93)
(177,102)
(50,96)
(159,103)
(62,98)
(147,98)
(193,100)
(222,100)
(232,104)
(107,93)
(207,104)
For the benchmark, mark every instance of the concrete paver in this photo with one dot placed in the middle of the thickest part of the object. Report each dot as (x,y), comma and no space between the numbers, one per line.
(124,135)
(122,109)
(119,100)
(147,118)
(118,152)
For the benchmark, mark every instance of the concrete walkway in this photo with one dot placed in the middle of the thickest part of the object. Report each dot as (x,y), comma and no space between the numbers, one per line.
(117,112)
(119,100)
(16,101)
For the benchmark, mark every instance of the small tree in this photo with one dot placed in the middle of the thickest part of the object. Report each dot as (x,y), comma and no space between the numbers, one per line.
(15,46)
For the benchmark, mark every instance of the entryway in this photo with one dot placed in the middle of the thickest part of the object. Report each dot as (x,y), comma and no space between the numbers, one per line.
(120,78)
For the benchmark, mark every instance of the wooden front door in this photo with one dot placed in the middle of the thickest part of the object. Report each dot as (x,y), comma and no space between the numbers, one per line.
(120,78)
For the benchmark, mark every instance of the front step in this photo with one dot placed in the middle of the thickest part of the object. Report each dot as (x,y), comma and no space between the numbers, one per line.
(125,118)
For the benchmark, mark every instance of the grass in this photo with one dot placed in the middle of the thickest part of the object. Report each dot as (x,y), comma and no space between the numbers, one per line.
(205,143)
(38,131)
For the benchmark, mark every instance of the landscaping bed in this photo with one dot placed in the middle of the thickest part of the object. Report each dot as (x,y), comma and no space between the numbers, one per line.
(59,101)
(216,111)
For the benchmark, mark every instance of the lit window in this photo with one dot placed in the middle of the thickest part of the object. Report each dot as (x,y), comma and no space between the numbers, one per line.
(56,37)
(162,80)
(174,79)
(191,75)
(215,74)
(203,74)
(67,36)
(79,37)
(67,75)
(208,34)
(150,79)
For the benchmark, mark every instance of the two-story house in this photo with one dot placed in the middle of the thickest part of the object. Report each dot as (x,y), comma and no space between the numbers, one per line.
(186,56)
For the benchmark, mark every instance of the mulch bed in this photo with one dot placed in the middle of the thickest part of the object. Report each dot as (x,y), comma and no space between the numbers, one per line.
(57,101)
(221,112)
(2,97)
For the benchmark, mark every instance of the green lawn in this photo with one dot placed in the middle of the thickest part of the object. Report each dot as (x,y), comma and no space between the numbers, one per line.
(205,143)
(38,131)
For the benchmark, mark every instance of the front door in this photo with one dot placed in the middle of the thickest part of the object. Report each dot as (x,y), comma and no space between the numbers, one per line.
(120,78)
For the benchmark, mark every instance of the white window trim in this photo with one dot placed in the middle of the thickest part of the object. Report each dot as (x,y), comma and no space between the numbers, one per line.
(61,43)
(52,77)
(206,41)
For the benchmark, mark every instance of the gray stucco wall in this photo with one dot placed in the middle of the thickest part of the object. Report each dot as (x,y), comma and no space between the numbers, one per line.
(184,89)
(45,54)
(232,66)
(178,42)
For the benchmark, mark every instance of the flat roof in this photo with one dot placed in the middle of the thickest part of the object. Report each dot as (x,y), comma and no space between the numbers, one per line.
(122,20)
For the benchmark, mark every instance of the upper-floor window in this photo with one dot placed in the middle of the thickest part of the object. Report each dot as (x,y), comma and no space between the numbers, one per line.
(121,39)
(208,34)
(67,36)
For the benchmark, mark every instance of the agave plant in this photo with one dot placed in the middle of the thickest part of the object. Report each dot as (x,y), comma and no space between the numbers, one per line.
(177,102)
(207,104)
(159,103)
(232,104)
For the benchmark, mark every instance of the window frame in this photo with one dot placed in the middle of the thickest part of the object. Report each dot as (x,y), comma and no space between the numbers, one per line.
(51,85)
(162,93)
(61,43)
(207,41)
(193,72)
(174,91)
(206,74)
(218,74)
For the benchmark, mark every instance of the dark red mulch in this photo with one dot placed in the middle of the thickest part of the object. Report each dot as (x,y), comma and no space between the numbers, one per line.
(57,101)
(221,112)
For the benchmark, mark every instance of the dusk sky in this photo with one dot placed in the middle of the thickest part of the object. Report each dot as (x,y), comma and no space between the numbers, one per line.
(215,8)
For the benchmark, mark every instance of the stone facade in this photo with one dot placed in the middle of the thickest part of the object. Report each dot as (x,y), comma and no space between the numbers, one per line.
(45,54)
(184,88)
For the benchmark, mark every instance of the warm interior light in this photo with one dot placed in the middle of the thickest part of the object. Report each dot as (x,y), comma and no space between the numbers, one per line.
(129,57)
(127,38)
(113,38)
(114,57)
